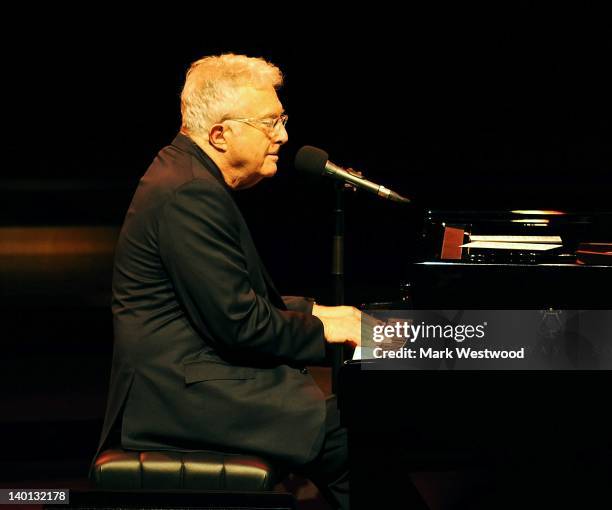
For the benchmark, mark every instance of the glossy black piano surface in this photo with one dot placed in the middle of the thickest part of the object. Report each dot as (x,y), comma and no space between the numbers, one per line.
(494,437)
(521,278)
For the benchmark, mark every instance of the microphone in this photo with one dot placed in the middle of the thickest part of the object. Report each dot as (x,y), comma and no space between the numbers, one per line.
(315,161)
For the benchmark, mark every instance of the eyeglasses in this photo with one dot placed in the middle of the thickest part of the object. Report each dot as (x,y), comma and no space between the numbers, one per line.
(272,124)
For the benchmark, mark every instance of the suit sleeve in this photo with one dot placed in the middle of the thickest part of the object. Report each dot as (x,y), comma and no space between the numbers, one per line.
(299,304)
(199,236)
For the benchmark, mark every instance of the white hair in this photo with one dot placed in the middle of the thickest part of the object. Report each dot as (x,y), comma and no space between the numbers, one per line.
(211,87)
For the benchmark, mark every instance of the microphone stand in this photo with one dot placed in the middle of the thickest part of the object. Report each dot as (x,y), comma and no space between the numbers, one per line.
(338,275)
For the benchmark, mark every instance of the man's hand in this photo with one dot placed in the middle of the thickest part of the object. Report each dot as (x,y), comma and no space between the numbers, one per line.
(336,312)
(341,323)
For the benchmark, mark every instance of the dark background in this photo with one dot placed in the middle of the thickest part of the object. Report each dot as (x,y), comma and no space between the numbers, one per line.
(471,110)
(485,110)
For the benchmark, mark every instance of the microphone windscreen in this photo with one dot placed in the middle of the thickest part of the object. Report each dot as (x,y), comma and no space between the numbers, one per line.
(310,159)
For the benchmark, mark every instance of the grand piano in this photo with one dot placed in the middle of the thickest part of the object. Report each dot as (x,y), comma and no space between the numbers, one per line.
(444,437)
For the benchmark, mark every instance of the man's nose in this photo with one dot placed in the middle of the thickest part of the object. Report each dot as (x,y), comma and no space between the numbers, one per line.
(282,135)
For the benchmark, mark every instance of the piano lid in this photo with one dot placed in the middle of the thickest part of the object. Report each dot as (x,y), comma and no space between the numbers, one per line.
(531,236)
(513,259)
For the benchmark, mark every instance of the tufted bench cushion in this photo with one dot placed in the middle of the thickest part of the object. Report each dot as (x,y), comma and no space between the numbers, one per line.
(119,469)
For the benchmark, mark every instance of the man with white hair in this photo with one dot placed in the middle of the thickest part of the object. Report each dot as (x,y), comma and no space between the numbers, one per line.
(207,354)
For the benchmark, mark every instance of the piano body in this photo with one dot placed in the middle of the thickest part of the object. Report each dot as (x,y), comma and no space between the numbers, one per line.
(526,435)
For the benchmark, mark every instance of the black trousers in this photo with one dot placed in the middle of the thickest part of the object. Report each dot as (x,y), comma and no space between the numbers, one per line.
(329,470)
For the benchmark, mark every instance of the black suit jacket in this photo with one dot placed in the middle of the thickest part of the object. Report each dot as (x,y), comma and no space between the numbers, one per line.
(207,355)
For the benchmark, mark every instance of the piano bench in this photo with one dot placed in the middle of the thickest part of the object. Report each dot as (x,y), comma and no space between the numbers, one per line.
(118,469)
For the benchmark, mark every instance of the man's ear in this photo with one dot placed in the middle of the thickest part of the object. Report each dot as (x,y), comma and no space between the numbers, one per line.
(216,137)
